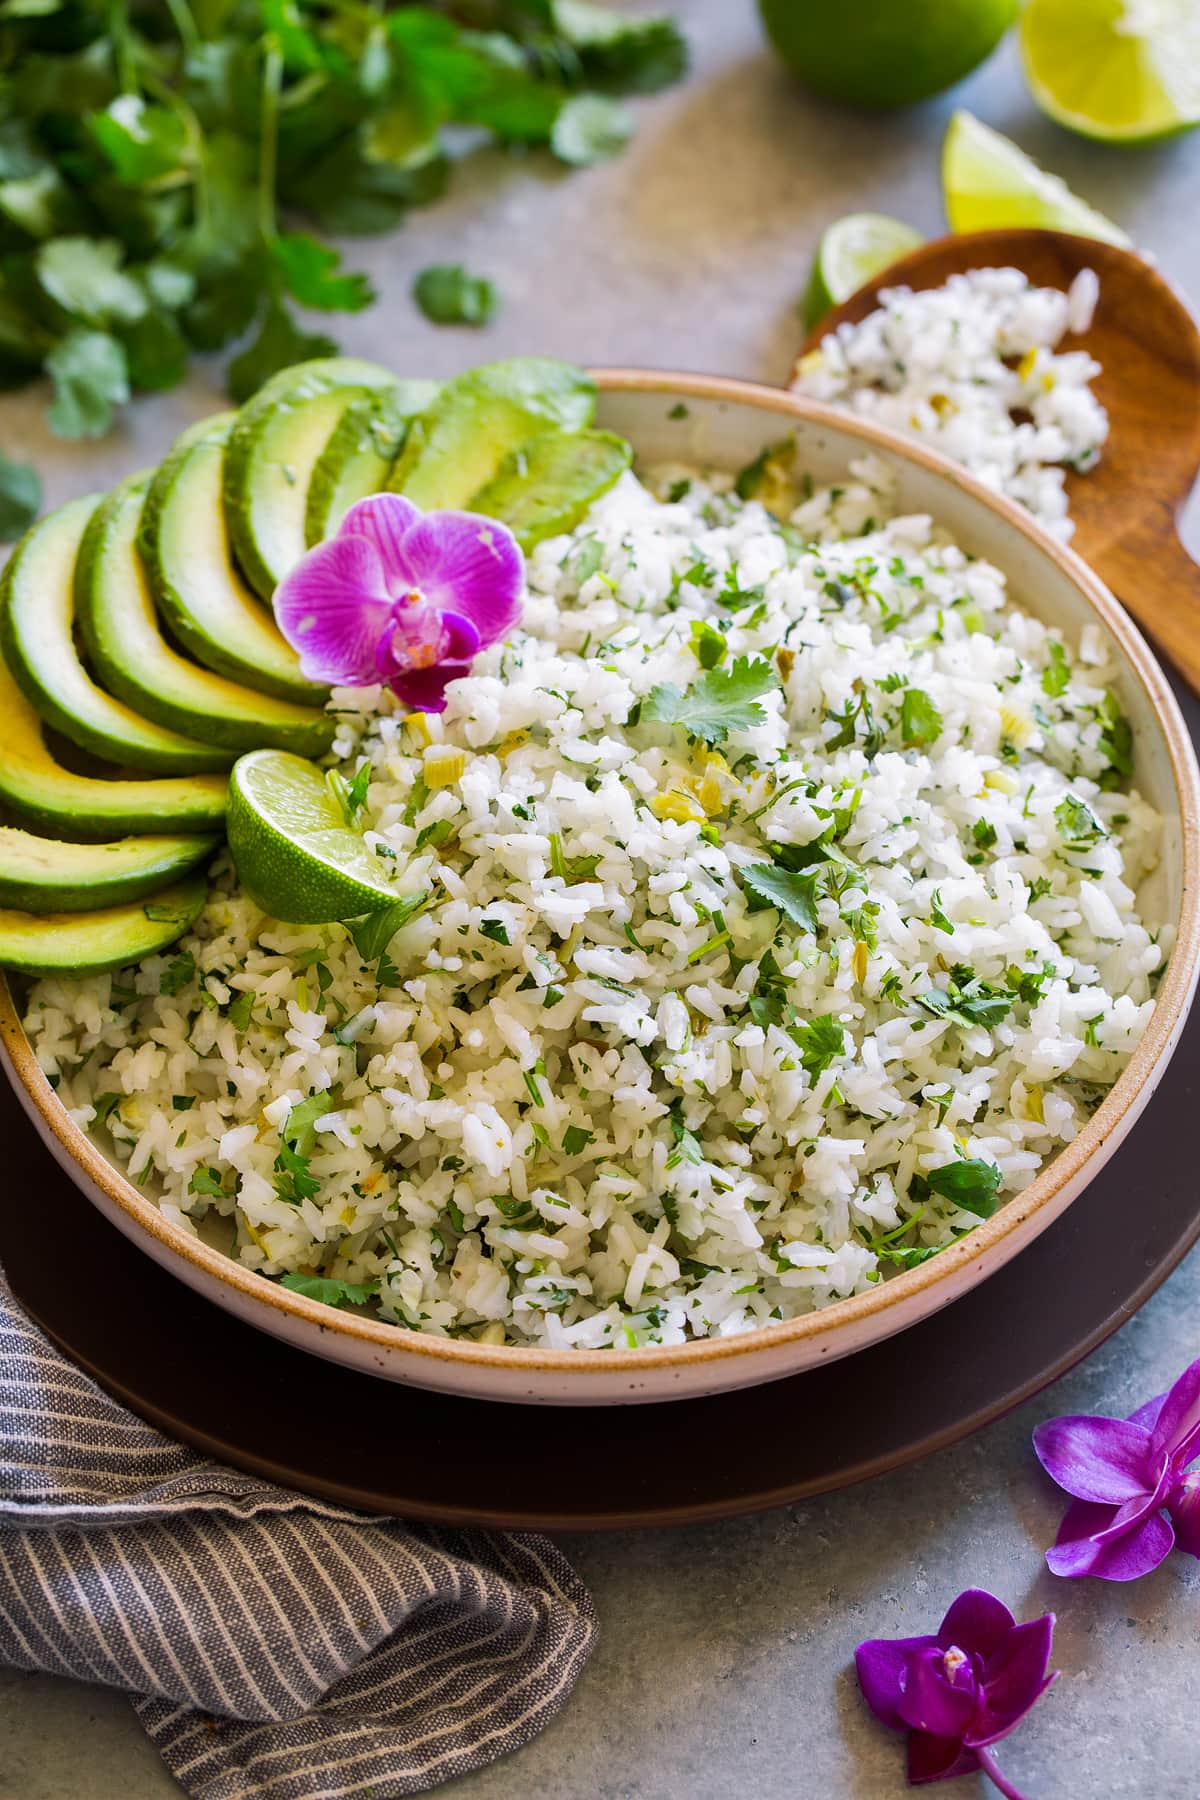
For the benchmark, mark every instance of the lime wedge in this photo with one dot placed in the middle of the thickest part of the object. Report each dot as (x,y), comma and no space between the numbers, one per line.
(1112,70)
(850,251)
(295,853)
(988,184)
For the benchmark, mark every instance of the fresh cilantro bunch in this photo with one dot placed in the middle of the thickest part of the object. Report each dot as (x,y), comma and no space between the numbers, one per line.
(168,167)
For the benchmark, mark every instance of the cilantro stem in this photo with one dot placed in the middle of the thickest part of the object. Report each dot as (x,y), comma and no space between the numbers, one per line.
(706,949)
(789,787)
(272,77)
(185,25)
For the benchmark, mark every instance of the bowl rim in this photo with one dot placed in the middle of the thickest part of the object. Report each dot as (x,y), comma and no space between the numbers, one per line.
(986,1245)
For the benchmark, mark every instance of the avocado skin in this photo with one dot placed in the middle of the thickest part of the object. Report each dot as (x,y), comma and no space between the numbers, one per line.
(546,486)
(285,394)
(87,943)
(153,677)
(43,875)
(104,728)
(241,641)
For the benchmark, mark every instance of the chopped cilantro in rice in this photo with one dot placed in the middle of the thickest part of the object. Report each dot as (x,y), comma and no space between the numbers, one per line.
(781,924)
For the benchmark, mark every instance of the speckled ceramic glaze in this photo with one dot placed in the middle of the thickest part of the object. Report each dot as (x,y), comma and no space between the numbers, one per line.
(726,423)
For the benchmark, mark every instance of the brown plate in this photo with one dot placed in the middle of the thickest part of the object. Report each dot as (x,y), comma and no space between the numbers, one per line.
(251,1400)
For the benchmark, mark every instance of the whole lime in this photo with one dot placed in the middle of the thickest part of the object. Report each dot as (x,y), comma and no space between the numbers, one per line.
(885,52)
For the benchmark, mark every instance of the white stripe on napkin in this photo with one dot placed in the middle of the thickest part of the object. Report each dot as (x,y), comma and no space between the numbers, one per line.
(276,1648)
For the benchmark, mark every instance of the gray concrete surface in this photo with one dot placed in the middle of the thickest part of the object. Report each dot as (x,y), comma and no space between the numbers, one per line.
(722,1670)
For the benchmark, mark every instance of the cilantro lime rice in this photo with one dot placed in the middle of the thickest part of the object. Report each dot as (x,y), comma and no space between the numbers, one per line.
(976,368)
(776,920)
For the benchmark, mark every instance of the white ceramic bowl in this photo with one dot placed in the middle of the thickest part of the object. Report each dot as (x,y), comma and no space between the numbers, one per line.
(726,423)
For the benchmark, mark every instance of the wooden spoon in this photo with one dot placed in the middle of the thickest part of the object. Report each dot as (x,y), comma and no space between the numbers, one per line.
(1127,509)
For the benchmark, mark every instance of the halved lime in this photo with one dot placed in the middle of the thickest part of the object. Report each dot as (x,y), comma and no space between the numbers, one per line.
(1124,74)
(295,854)
(851,250)
(990,184)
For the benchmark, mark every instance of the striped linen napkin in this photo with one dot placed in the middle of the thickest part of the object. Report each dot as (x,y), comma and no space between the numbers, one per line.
(275,1648)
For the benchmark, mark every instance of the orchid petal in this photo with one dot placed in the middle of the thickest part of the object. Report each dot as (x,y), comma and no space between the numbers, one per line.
(937,1759)
(929,1700)
(467,564)
(1185,1515)
(977,1621)
(1076,1552)
(385,520)
(1015,1679)
(1147,1416)
(881,1665)
(462,640)
(1177,1428)
(424,690)
(333,609)
(1106,1460)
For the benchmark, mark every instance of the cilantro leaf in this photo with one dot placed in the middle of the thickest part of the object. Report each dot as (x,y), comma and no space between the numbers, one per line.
(768,1004)
(20,497)
(937,914)
(575,1140)
(708,644)
(1078,826)
(329,1291)
(793,893)
(207,1181)
(589,129)
(920,720)
(723,700)
(90,373)
(822,1040)
(627,55)
(448,295)
(971,1183)
(142,142)
(686,1146)
(311,273)
(84,275)
(967,999)
(178,972)
(280,342)
(375,930)
(1056,676)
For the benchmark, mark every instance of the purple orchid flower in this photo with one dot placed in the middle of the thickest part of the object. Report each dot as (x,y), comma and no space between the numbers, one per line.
(960,1691)
(402,597)
(1133,1501)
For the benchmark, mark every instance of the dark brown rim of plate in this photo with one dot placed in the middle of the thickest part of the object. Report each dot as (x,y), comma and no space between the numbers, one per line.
(988,1247)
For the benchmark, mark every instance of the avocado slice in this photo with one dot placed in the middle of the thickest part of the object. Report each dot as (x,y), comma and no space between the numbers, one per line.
(83,806)
(84,943)
(358,458)
(547,485)
(44,875)
(458,446)
(37,613)
(199,591)
(272,450)
(122,635)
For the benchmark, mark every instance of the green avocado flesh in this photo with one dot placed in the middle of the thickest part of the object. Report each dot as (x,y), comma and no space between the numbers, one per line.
(199,591)
(273,448)
(83,806)
(83,943)
(460,444)
(546,486)
(44,875)
(122,635)
(358,458)
(37,615)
